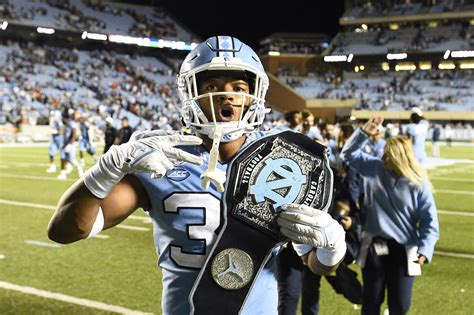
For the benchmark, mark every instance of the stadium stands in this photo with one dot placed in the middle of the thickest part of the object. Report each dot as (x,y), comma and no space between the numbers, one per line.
(100,17)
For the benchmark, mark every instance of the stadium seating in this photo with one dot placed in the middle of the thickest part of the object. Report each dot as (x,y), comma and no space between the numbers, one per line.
(82,15)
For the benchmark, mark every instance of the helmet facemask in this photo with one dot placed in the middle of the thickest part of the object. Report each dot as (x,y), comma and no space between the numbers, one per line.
(251,104)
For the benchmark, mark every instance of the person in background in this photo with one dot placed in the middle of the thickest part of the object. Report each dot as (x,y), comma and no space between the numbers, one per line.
(56,126)
(448,135)
(84,140)
(417,130)
(435,138)
(307,126)
(328,134)
(68,148)
(400,226)
(111,134)
(294,120)
(125,132)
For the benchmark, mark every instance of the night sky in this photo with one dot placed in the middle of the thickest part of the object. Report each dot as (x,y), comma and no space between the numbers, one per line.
(239,18)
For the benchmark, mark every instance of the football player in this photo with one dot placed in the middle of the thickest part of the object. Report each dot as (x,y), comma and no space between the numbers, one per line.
(68,148)
(222,87)
(56,126)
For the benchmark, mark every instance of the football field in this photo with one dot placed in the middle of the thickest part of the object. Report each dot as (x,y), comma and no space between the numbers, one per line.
(116,271)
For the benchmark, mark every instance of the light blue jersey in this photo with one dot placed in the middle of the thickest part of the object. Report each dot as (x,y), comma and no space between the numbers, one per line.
(186,221)
(418,134)
(67,136)
(56,126)
(314,134)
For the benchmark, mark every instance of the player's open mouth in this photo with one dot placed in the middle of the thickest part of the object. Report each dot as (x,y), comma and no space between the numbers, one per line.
(226,113)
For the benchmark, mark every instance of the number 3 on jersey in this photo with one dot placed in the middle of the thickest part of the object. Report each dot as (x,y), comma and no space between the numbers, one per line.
(200,213)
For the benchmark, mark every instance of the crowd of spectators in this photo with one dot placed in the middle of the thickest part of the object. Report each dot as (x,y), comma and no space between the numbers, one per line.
(97,16)
(416,37)
(396,91)
(103,83)
(368,8)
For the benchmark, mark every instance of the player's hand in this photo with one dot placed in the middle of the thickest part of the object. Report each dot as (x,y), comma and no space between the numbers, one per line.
(154,154)
(303,224)
(137,135)
(68,148)
(371,127)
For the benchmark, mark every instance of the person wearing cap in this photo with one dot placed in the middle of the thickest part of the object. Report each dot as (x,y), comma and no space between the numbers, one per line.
(417,130)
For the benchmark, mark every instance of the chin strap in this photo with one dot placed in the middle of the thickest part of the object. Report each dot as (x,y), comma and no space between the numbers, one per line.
(212,173)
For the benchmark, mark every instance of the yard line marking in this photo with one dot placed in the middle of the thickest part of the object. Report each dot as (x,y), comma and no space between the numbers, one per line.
(70,299)
(39,243)
(41,206)
(36,177)
(459,255)
(459,192)
(26,204)
(461,213)
(2,256)
(23,164)
(469,180)
(140,218)
(133,228)
(103,236)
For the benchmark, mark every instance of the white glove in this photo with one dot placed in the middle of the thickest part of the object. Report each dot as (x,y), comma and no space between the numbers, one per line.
(67,148)
(316,228)
(154,154)
(140,134)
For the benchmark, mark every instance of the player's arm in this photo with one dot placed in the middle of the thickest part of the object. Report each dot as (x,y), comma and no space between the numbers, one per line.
(78,209)
(316,236)
(107,195)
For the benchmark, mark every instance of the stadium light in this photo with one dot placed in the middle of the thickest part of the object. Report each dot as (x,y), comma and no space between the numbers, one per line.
(385,66)
(150,42)
(446,54)
(466,65)
(398,56)
(425,65)
(274,53)
(446,66)
(94,36)
(462,54)
(364,27)
(356,68)
(405,67)
(45,30)
(335,58)
(4,25)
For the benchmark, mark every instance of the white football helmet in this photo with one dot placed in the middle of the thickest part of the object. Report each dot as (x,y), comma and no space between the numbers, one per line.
(222,53)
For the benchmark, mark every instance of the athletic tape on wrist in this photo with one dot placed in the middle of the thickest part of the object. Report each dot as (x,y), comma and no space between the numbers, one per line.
(98,224)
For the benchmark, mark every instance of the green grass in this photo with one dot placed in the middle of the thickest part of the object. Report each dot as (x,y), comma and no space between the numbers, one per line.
(122,271)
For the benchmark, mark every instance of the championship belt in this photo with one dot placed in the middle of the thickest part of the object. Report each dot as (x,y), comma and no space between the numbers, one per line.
(279,169)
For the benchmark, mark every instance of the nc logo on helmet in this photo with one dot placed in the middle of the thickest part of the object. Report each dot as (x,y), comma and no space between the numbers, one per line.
(178,174)
(284,186)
